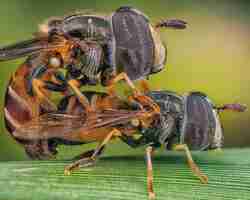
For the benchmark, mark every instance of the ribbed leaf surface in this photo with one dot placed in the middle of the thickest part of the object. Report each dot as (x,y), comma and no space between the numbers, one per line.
(125,178)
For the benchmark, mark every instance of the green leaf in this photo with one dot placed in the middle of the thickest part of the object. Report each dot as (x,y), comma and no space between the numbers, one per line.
(124,177)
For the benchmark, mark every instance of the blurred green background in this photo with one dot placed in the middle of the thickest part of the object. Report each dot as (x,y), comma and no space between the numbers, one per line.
(212,55)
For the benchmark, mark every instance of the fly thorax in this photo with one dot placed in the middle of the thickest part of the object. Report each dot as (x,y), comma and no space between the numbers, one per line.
(159,132)
(92,62)
(166,127)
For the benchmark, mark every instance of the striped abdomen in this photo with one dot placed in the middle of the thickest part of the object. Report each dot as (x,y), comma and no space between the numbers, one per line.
(20,107)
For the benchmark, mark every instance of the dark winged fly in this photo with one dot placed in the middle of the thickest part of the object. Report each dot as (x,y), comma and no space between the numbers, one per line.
(178,122)
(90,49)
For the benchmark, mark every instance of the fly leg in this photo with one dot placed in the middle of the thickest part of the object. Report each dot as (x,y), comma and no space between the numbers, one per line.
(119,77)
(144,86)
(88,154)
(151,193)
(46,102)
(149,150)
(146,102)
(89,161)
(39,87)
(137,95)
(195,169)
(74,85)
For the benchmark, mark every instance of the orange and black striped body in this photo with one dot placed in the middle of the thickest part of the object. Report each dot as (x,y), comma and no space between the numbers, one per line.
(20,107)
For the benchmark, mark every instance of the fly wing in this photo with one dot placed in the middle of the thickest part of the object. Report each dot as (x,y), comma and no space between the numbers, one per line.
(51,125)
(134,43)
(64,126)
(26,48)
(112,118)
(201,127)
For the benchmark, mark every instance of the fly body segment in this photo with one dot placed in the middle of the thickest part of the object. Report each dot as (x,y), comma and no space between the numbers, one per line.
(176,122)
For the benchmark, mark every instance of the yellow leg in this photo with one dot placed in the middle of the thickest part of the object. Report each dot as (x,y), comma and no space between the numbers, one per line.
(71,104)
(119,77)
(37,86)
(151,193)
(195,169)
(144,100)
(74,85)
(93,102)
(84,162)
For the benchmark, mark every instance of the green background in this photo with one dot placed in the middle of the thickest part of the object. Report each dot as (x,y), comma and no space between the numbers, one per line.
(212,55)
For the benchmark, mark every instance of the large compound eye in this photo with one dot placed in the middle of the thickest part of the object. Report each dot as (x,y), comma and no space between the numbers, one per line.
(55,61)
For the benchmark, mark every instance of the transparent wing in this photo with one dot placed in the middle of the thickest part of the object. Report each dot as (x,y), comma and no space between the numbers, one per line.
(27,47)
(51,125)
(64,126)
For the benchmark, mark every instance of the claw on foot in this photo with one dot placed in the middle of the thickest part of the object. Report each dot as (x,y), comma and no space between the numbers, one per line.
(151,195)
(67,172)
(204,179)
(196,171)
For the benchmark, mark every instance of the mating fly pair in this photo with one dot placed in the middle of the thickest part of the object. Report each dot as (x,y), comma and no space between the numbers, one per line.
(90,49)
(94,49)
